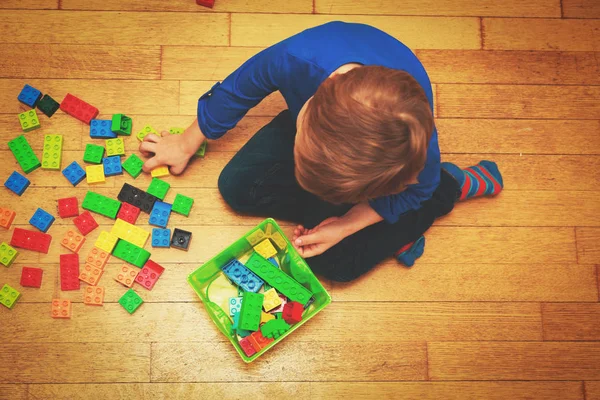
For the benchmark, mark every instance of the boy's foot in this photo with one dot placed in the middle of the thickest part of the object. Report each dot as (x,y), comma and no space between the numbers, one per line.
(409,253)
(483,179)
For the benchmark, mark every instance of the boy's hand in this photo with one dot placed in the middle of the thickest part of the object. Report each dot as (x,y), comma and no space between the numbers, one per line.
(312,242)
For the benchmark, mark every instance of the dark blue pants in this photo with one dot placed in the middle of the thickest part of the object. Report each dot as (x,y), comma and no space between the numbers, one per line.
(259,180)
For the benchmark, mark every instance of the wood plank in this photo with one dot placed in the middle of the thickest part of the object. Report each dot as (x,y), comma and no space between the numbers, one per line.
(30,4)
(79,61)
(74,362)
(522,101)
(512,8)
(415,32)
(507,361)
(110,28)
(270,6)
(540,34)
(588,245)
(592,390)
(581,9)
(60,123)
(509,67)
(17,392)
(572,321)
(218,362)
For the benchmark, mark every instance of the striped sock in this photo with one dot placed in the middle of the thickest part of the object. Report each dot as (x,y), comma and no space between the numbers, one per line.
(483,179)
(409,253)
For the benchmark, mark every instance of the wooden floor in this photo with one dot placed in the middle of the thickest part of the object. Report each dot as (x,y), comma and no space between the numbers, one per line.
(503,305)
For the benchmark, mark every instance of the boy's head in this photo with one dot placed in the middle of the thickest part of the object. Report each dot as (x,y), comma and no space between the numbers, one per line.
(364,134)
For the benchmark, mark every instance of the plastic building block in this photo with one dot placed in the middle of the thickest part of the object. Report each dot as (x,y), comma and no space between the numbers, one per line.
(9,296)
(42,220)
(78,108)
(29,96)
(235,305)
(236,328)
(112,166)
(7,254)
(31,277)
(29,120)
(176,131)
(97,257)
(265,249)
(182,205)
(101,204)
(280,308)
(61,308)
(7,217)
(52,155)
(255,237)
(273,261)
(258,341)
(131,233)
(100,129)
(159,172)
(149,274)
(250,311)
(115,147)
(133,166)
(48,105)
(85,223)
(68,207)
(127,275)
(279,240)
(137,197)
(130,301)
(181,239)
(160,214)
(69,272)
(106,241)
(24,154)
(121,124)
(73,241)
(278,279)
(95,174)
(274,328)
(145,132)
(272,300)
(242,276)
(93,295)
(17,183)
(93,154)
(292,312)
(206,3)
(266,317)
(161,237)
(158,188)
(131,253)
(128,213)
(202,149)
(74,173)
(246,345)
(31,240)
(90,274)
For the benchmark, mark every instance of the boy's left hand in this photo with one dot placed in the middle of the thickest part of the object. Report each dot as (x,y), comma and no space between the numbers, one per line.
(312,242)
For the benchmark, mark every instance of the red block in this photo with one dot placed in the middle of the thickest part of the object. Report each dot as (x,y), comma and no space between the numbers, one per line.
(128,213)
(292,312)
(258,341)
(78,108)
(68,207)
(247,347)
(85,222)
(30,240)
(206,3)
(69,272)
(31,277)
(149,274)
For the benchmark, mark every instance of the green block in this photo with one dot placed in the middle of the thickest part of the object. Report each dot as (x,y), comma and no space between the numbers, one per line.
(182,205)
(115,147)
(24,154)
(133,166)
(29,120)
(9,296)
(145,132)
(275,277)
(131,301)
(176,131)
(7,254)
(131,253)
(202,150)
(274,328)
(101,204)
(158,188)
(93,154)
(121,124)
(251,310)
(52,156)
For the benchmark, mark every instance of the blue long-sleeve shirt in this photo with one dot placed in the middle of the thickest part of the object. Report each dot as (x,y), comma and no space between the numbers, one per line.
(296,67)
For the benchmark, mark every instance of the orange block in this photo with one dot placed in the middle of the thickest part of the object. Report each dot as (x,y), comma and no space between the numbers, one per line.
(90,274)
(61,308)
(93,295)
(73,240)
(97,258)
(258,341)
(7,217)
(127,275)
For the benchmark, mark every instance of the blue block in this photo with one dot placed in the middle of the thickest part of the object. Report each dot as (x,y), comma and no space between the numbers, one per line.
(100,129)
(17,183)
(74,173)
(242,276)
(29,96)
(112,165)
(160,214)
(161,237)
(273,261)
(41,220)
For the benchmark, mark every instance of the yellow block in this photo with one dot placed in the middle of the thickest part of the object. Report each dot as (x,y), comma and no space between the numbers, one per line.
(106,241)
(272,300)
(159,172)
(131,233)
(255,236)
(266,317)
(265,249)
(95,174)
(279,240)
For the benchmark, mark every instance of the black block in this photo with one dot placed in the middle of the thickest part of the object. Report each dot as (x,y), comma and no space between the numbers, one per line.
(134,196)
(48,105)
(181,239)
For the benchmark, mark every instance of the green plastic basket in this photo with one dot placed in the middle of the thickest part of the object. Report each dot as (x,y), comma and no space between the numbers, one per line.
(214,289)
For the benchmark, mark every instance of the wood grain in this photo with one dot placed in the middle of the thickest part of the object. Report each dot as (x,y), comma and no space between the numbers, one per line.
(30,4)
(581,9)
(588,245)
(592,390)
(266,6)
(17,392)
(572,321)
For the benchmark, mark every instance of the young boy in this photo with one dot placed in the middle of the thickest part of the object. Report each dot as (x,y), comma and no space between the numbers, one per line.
(355,158)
